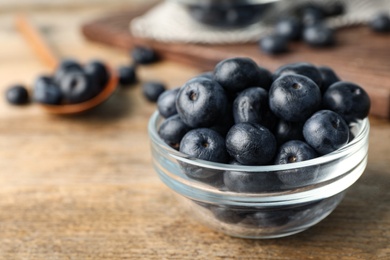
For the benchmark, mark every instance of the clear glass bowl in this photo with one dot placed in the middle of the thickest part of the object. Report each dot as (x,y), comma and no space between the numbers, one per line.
(288,198)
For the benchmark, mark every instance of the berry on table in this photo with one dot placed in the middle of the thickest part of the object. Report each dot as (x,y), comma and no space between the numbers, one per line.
(152,90)
(17,95)
(144,55)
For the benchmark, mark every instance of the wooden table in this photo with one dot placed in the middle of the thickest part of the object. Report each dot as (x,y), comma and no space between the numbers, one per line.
(83,187)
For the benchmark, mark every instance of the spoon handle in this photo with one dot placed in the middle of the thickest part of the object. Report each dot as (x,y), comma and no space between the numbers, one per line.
(36,41)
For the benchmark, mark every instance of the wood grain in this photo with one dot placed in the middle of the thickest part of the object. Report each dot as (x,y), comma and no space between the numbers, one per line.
(83,187)
(352,58)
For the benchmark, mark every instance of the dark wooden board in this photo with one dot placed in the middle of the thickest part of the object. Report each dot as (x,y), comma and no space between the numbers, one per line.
(360,56)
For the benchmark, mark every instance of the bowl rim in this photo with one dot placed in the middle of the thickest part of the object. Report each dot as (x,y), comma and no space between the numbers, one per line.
(343,151)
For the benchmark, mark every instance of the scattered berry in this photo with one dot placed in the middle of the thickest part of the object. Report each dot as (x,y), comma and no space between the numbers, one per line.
(380,23)
(152,90)
(289,28)
(144,55)
(127,75)
(274,44)
(17,95)
(318,35)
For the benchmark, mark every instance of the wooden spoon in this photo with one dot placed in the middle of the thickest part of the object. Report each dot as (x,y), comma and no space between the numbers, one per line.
(47,56)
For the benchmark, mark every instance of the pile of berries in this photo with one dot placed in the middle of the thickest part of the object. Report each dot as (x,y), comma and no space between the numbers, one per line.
(73,83)
(306,23)
(243,114)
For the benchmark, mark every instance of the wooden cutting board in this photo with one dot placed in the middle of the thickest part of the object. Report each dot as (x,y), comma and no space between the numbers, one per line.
(360,56)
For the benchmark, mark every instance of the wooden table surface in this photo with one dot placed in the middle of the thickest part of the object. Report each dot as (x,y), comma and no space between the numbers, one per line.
(83,187)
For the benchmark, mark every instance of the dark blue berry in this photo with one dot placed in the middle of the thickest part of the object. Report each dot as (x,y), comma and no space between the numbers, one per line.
(251,106)
(227,214)
(328,77)
(267,218)
(166,103)
(127,75)
(312,14)
(274,44)
(172,131)
(287,131)
(98,72)
(301,68)
(250,144)
(46,91)
(152,90)
(204,144)
(64,67)
(319,35)
(334,9)
(144,55)
(348,100)
(292,152)
(200,102)
(77,87)
(294,98)
(251,182)
(326,131)
(289,27)
(17,95)
(380,22)
(237,74)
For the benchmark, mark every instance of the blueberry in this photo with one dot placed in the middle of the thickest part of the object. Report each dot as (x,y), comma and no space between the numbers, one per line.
(251,182)
(319,35)
(287,131)
(17,95)
(250,144)
(274,44)
(227,214)
(127,75)
(289,27)
(46,91)
(237,74)
(347,99)
(380,22)
(301,68)
(64,67)
(312,14)
(251,106)
(77,87)
(144,55)
(204,144)
(172,131)
(294,98)
(328,77)
(166,102)
(200,102)
(97,70)
(267,218)
(326,131)
(296,151)
(152,90)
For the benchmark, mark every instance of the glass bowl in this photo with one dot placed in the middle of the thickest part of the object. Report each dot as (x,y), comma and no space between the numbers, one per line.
(286,199)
